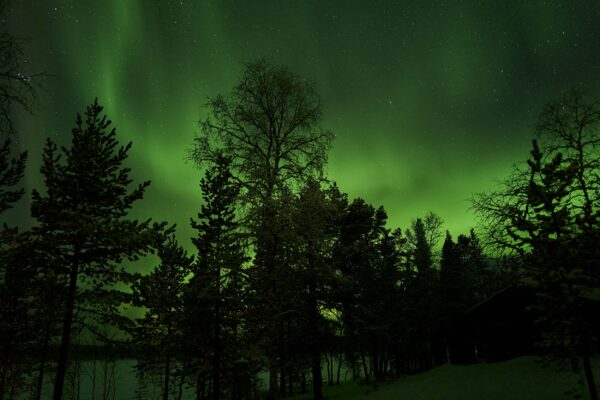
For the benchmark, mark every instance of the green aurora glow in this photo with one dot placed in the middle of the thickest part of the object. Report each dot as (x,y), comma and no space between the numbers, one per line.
(429,102)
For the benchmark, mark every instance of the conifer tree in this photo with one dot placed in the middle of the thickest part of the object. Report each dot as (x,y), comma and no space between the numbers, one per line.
(367,255)
(82,219)
(421,284)
(269,126)
(218,283)
(547,213)
(552,233)
(422,252)
(11,173)
(314,218)
(18,88)
(11,291)
(161,292)
(451,278)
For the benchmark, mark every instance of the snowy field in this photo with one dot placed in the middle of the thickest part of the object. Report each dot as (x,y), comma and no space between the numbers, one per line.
(523,378)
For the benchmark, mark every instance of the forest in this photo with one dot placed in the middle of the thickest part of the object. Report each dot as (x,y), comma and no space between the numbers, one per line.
(291,281)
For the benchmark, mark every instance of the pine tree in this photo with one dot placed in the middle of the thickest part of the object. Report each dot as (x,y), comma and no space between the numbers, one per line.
(552,234)
(11,173)
(451,279)
(217,283)
(161,294)
(422,252)
(269,125)
(480,279)
(351,254)
(368,258)
(421,291)
(314,218)
(82,219)
(12,291)
(17,88)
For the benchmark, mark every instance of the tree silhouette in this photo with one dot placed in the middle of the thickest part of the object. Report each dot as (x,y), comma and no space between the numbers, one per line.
(269,127)
(552,232)
(550,222)
(369,289)
(465,276)
(82,218)
(218,279)
(569,125)
(314,217)
(11,173)
(13,287)
(17,85)
(421,285)
(452,278)
(159,333)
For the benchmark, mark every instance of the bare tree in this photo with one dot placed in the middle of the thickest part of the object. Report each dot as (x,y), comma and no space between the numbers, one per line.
(547,212)
(17,85)
(569,125)
(269,126)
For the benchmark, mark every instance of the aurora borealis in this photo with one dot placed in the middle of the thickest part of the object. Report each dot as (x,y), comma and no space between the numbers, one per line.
(429,101)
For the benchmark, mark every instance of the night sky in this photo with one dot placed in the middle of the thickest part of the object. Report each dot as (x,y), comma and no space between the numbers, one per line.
(430,102)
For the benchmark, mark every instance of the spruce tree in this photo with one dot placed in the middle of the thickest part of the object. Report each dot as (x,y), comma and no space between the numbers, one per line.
(422,252)
(161,293)
(11,173)
(269,126)
(17,88)
(12,290)
(368,258)
(217,284)
(451,279)
(561,271)
(421,290)
(82,219)
(314,217)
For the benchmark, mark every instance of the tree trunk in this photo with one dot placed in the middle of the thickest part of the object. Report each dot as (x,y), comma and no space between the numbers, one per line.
(106,378)
(339,369)
(180,388)
(2,384)
(167,373)
(273,387)
(315,347)
(65,340)
(327,369)
(94,378)
(386,365)
(43,354)
(198,383)
(303,383)
(365,369)
(13,387)
(375,364)
(330,377)
(290,382)
(216,376)
(114,380)
(589,376)
(199,386)
(282,366)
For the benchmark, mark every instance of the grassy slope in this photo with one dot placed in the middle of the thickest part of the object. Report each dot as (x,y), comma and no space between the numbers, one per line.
(520,379)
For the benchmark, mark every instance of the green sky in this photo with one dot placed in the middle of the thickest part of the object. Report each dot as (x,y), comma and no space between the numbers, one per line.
(429,101)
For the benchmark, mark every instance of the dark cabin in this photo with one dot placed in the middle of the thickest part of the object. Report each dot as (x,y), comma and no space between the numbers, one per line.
(499,328)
